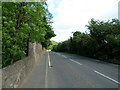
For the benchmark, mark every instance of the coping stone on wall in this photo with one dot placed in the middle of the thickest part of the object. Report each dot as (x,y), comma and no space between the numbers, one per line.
(13,75)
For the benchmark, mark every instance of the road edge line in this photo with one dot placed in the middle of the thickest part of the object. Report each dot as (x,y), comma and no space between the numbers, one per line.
(46,75)
(49,63)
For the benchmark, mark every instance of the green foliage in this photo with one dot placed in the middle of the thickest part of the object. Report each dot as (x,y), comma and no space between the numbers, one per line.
(103,41)
(24,22)
(52,44)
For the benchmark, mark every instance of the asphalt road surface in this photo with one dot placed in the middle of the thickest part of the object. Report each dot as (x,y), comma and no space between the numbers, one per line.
(61,70)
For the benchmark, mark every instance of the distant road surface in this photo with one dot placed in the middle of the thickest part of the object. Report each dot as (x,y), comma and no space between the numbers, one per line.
(61,70)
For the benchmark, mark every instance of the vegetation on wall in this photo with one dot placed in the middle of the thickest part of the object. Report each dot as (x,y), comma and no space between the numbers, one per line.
(102,42)
(24,22)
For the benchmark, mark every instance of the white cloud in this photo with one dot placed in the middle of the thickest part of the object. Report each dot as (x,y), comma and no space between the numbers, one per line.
(73,15)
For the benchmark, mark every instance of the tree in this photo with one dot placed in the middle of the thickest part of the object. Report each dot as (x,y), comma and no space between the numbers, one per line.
(103,41)
(24,22)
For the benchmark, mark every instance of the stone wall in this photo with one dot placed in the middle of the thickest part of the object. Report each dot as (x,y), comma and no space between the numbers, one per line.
(13,75)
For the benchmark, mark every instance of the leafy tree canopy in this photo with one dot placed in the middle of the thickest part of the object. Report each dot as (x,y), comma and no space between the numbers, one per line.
(103,41)
(24,22)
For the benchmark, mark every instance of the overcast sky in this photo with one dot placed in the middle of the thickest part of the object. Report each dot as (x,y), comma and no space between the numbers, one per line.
(72,15)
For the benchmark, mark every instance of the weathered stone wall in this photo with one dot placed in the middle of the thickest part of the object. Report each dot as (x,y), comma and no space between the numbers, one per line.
(13,75)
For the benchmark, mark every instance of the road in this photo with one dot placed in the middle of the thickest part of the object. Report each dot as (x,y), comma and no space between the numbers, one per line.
(62,70)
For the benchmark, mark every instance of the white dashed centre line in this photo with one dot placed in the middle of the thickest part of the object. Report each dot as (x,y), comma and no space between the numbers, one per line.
(57,53)
(97,60)
(75,62)
(64,56)
(106,77)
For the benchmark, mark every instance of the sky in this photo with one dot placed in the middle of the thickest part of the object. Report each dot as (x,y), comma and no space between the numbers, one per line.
(72,15)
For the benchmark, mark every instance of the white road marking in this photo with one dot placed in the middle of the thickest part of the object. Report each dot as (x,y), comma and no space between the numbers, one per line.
(58,53)
(106,77)
(75,62)
(46,75)
(49,63)
(97,60)
(64,56)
